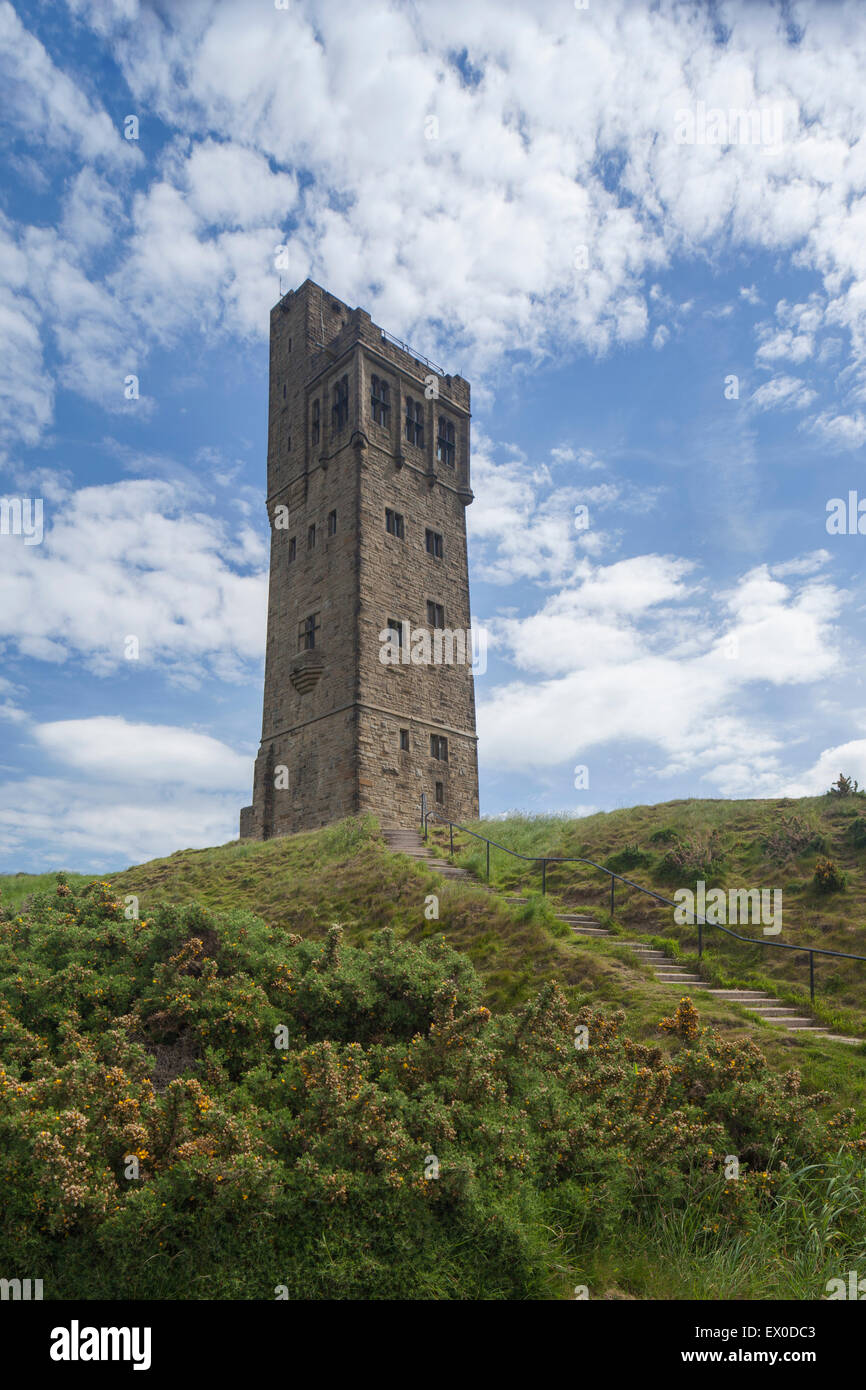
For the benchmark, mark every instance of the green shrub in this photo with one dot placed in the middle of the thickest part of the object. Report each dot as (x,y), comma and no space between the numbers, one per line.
(791,837)
(286,1103)
(692,856)
(629,857)
(827,878)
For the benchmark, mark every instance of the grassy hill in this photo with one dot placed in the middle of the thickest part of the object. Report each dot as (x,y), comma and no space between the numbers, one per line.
(560,1168)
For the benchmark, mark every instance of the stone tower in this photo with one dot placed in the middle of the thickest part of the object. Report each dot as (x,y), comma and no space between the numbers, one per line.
(369,697)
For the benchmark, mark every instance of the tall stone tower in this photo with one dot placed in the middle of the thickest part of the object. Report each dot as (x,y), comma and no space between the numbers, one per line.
(369,698)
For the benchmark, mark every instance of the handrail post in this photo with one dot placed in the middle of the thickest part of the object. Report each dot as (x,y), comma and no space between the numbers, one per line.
(488,861)
(544,875)
(700,939)
(451,829)
(812,976)
(612,893)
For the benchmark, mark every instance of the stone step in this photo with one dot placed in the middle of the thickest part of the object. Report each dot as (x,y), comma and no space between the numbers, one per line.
(679,979)
(840,1037)
(740,993)
(590,931)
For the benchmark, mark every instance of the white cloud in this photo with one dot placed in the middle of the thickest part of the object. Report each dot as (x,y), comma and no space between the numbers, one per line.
(110,748)
(785,392)
(849,758)
(620,666)
(134,559)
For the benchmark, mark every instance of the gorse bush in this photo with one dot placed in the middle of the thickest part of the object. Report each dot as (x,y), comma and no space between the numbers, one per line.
(698,855)
(827,878)
(793,836)
(201,1106)
(845,786)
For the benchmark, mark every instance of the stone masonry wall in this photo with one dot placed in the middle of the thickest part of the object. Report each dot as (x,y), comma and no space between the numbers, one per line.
(332,716)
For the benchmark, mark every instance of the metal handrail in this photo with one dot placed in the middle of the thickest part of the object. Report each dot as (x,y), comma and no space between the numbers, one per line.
(419,356)
(697,918)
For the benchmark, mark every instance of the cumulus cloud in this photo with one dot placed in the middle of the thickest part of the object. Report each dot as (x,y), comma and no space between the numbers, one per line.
(618,665)
(135,560)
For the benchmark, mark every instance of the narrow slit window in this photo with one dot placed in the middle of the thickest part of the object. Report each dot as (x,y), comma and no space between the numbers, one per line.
(332,523)
(340,408)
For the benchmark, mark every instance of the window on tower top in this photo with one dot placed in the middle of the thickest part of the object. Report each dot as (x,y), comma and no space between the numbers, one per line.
(311,536)
(394,524)
(380,401)
(316,426)
(435,615)
(340,407)
(415,422)
(445,442)
(332,523)
(439,748)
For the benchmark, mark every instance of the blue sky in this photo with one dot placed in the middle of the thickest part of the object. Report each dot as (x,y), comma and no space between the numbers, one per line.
(507,187)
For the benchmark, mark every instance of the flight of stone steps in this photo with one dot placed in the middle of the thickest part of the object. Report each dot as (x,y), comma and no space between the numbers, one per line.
(667,971)
(756,1001)
(410,842)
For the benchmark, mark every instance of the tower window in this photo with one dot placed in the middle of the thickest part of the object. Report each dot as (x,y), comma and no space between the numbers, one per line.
(415,422)
(435,614)
(394,524)
(445,442)
(307,629)
(340,407)
(293,548)
(311,536)
(433,542)
(332,523)
(439,747)
(380,401)
(440,793)
(404,740)
(395,627)
(316,426)
(284,390)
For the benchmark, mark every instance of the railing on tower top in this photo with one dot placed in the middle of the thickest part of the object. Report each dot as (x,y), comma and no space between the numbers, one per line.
(697,918)
(419,356)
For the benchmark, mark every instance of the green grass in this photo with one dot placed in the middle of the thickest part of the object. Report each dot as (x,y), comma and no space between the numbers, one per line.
(736,844)
(15,889)
(305,883)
